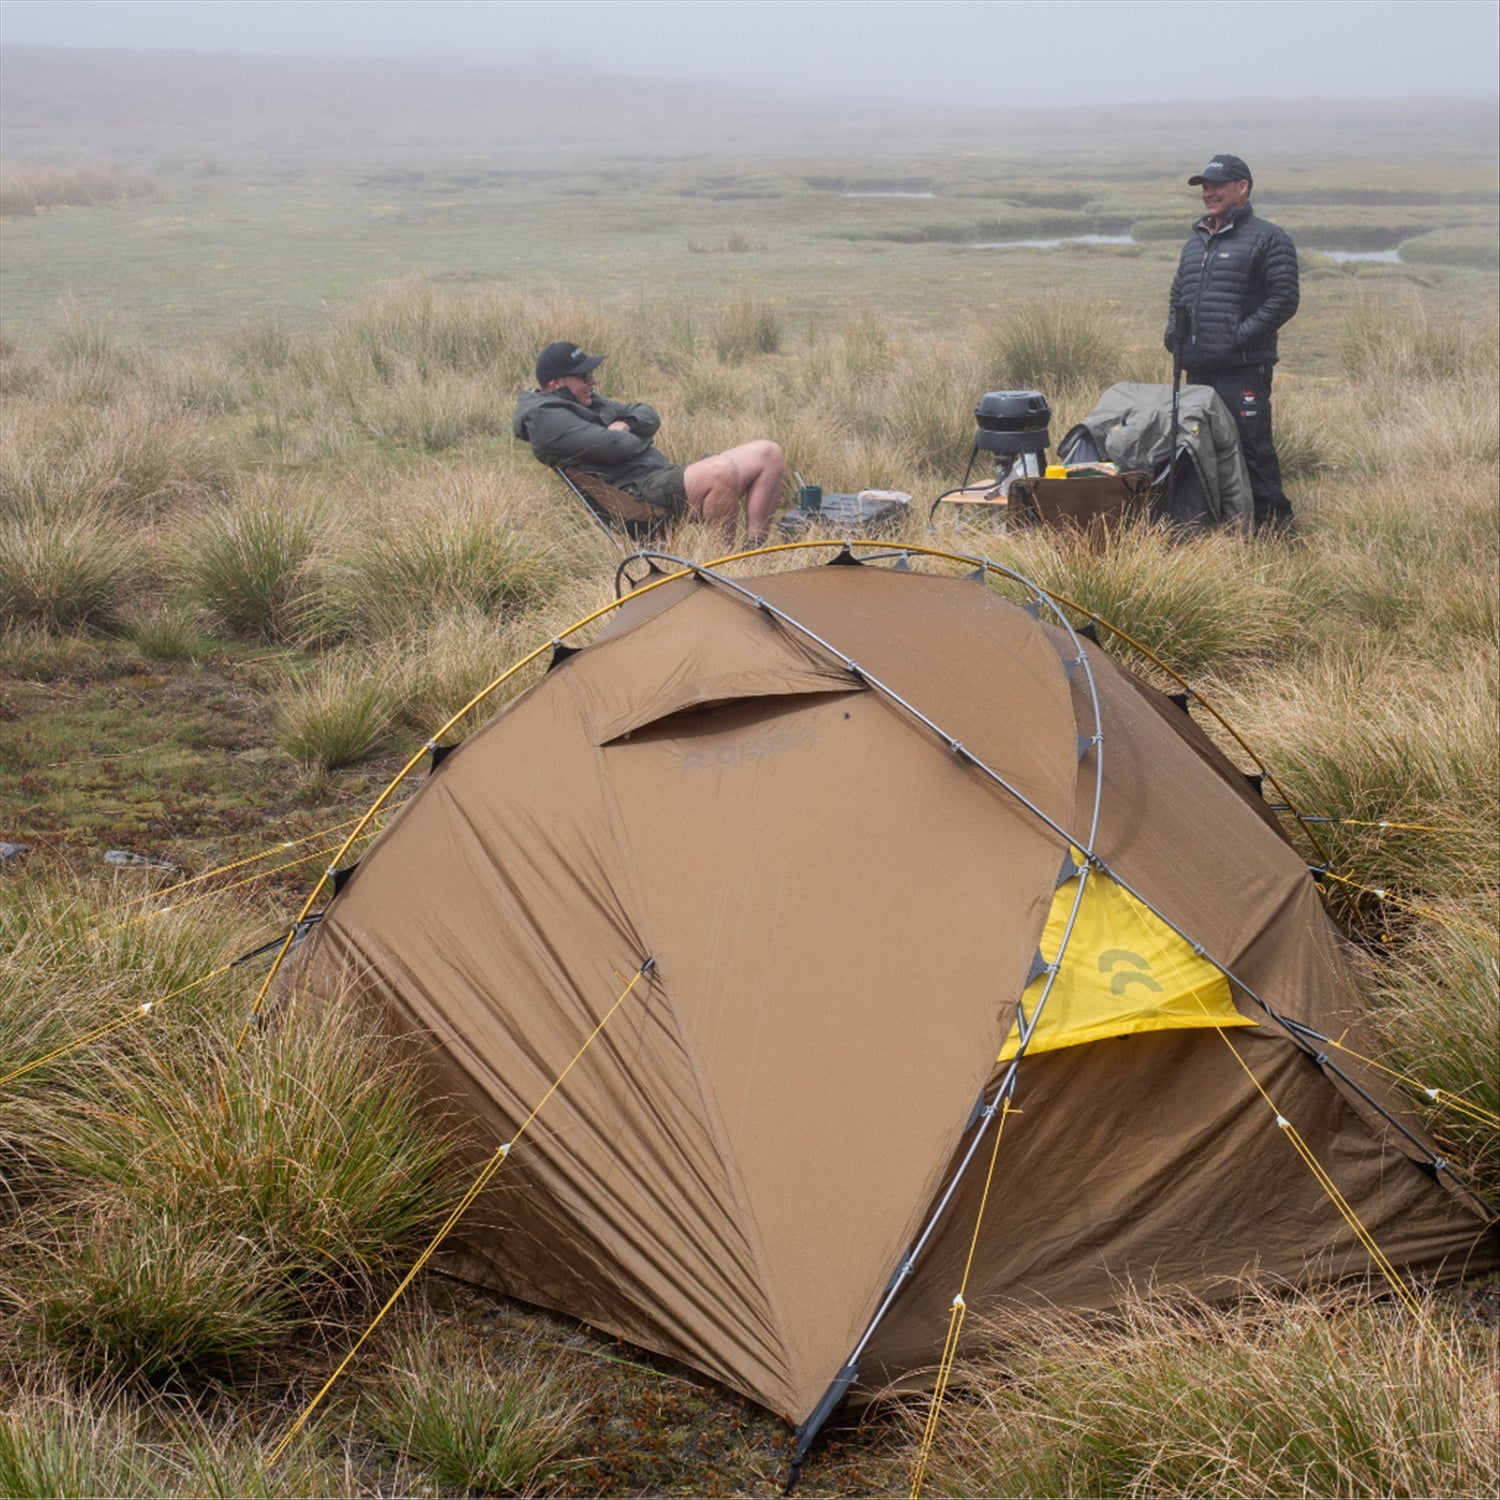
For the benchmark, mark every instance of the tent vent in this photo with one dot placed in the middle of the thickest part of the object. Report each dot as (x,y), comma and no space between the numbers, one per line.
(440,753)
(560,654)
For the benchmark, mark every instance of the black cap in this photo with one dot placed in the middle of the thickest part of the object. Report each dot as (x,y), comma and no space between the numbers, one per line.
(565,358)
(1223,168)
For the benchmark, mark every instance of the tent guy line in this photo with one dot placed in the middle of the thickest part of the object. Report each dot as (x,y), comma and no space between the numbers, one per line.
(672,679)
(650,696)
(497,1160)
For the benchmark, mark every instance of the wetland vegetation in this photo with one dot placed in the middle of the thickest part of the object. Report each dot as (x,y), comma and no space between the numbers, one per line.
(263,528)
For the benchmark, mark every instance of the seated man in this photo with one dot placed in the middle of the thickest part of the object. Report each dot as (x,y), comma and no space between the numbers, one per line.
(567,423)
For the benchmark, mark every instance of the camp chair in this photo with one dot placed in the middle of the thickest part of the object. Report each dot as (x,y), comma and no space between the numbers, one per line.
(1080,501)
(615,511)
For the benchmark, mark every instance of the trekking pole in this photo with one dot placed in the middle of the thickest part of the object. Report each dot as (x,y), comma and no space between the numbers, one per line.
(1179,338)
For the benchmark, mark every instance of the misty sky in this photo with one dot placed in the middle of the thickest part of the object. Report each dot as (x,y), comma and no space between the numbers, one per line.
(1031,52)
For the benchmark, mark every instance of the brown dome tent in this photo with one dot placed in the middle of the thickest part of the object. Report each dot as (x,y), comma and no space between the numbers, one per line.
(895,860)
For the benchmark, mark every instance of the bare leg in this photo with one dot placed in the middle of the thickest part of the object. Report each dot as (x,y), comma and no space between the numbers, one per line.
(750,472)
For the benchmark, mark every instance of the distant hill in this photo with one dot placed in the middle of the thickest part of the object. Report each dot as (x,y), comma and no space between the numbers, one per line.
(63,104)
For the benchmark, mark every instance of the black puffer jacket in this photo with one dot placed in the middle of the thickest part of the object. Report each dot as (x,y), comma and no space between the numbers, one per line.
(1232,291)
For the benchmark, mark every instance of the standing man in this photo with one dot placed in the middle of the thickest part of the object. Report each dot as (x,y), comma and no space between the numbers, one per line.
(1236,284)
(567,422)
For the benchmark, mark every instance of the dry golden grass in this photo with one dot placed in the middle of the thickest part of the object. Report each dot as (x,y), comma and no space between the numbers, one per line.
(1272,1394)
(348,498)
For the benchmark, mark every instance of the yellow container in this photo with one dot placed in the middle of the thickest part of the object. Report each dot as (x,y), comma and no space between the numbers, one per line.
(1056,471)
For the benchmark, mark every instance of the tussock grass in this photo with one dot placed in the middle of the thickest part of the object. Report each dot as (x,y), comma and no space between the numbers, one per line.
(1054,342)
(166,633)
(1399,345)
(140,1295)
(1209,601)
(1271,1395)
(744,327)
(1376,736)
(1436,1010)
(340,713)
(250,563)
(193,1212)
(26,187)
(1418,567)
(79,953)
(458,539)
(455,659)
(57,1439)
(53,1442)
(469,1424)
(66,572)
(135,458)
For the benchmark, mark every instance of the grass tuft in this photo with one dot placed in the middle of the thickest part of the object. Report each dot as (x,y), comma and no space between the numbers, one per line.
(1205,602)
(339,714)
(166,633)
(470,1425)
(1435,1003)
(1055,342)
(248,564)
(66,572)
(1272,1395)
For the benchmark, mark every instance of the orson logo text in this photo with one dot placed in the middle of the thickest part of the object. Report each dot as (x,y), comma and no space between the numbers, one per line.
(777,742)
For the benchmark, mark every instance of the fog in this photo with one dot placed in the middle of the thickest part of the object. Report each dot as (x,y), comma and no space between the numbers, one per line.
(986,52)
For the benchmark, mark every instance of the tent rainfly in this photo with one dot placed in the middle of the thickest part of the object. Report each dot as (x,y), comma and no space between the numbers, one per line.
(896,861)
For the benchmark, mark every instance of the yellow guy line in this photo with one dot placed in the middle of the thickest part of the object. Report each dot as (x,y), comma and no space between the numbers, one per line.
(1331,1188)
(486,1173)
(1445,1097)
(238,864)
(1381,893)
(135,1013)
(956,1316)
(1400,827)
(220,890)
(1320,1174)
(406,770)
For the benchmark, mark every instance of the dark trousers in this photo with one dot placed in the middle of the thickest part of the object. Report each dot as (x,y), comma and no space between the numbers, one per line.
(1246,391)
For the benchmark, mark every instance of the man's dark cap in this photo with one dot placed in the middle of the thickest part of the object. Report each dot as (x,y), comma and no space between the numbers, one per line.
(565,358)
(1223,168)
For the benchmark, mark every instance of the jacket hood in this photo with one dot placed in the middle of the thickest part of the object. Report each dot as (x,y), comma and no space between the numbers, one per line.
(529,403)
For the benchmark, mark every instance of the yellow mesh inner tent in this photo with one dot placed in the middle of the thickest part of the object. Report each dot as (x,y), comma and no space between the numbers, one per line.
(1123,971)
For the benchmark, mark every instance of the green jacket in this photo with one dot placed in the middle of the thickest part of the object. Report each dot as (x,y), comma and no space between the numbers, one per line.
(561,431)
(1132,427)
